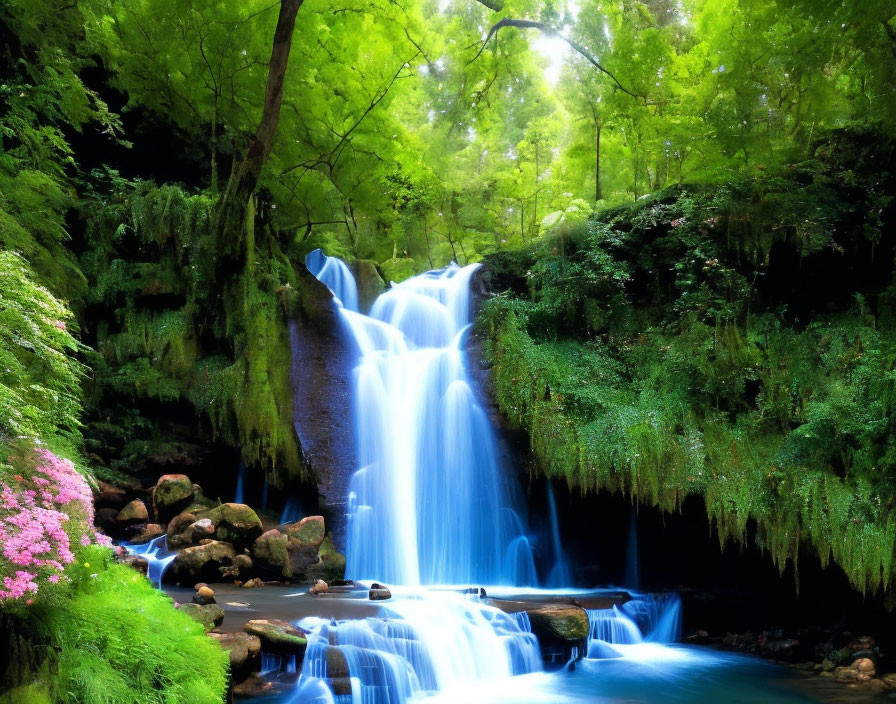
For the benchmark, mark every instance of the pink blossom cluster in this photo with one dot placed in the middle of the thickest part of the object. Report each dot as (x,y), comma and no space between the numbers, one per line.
(37,514)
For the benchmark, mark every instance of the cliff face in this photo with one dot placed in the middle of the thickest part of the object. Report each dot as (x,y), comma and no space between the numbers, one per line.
(322,363)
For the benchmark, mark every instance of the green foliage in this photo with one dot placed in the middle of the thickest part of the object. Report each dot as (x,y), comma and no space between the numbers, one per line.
(40,378)
(172,330)
(656,352)
(111,613)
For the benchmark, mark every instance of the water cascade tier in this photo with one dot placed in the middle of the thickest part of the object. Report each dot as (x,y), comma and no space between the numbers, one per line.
(424,642)
(428,503)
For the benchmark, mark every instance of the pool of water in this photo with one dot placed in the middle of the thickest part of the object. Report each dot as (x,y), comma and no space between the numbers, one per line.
(648,673)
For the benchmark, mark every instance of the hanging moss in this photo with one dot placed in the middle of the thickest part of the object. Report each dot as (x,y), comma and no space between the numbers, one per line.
(731,341)
(189,327)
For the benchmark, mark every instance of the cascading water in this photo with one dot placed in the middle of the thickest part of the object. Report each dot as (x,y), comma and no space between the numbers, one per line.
(336,276)
(423,643)
(422,438)
(654,618)
(240,490)
(157,557)
(559,574)
(429,506)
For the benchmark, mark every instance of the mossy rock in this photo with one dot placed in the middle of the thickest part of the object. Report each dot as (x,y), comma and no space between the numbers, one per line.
(236,523)
(178,531)
(283,557)
(330,565)
(27,694)
(209,615)
(171,494)
(244,651)
(203,562)
(133,513)
(278,637)
(559,622)
(309,532)
(270,554)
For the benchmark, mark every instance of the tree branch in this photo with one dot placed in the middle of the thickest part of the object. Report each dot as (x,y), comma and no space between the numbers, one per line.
(550,31)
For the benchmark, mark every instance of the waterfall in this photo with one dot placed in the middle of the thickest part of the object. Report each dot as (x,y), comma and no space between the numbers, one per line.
(423,643)
(654,618)
(631,556)
(239,492)
(292,511)
(157,557)
(428,503)
(335,275)
(657,615)
(559,574)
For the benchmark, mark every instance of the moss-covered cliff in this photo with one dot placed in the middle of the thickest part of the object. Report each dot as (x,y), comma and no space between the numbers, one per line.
(734,340)
(188,346)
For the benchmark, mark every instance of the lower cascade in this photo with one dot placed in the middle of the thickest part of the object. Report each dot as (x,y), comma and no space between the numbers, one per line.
(423,642)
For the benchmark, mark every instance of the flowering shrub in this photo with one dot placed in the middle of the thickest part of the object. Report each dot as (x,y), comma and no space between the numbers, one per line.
(46,511)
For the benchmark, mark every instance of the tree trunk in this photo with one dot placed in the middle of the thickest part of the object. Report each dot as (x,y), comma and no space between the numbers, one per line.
(230,212)
(597,194)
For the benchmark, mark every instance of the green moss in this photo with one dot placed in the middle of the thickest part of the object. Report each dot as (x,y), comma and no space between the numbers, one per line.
(183,325)
(648,353)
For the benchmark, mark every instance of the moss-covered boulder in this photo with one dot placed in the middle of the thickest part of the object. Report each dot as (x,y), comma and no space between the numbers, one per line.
(244,651)
(309,532)
(147,532)
(370,283)
(281,556)
(171,494)
(278,637)
(330,565)
(565,623)
(203,562)
(235,523)
(270,554)
(178,535)
(209,615)
(133,513)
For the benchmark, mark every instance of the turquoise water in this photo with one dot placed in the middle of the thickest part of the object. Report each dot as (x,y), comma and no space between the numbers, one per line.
(646,674)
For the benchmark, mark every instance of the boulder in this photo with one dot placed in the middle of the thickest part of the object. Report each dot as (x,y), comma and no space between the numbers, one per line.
(132,514)
(243,564)
(337,665)
(254,686)
(379,594)
(244,651)
(106,520)
(235,523)
(171,494)
(330,565)
(203,561)
(179,535)
(278,637)
(309,532)
(319,587)
(269,553)
(147,532)
(108,496)
(565,623)
(209,615)
(253,583)
(283,557)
